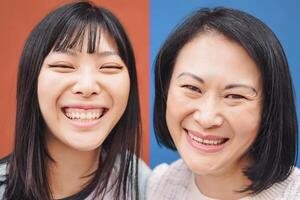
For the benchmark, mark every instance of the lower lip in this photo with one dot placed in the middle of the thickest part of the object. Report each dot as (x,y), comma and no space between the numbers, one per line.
(203,147)
(82,124)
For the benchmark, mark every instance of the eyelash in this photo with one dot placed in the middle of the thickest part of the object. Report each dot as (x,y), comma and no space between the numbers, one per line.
(111,67)
(235,96)
(192,88)
(102,67)
(62,66)
(229,96)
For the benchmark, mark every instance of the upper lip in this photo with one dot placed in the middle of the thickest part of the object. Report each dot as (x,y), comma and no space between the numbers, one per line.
(85,106)
(205,136)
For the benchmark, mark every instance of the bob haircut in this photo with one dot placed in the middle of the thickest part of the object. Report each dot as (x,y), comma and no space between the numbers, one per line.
(63,29)
(275,148)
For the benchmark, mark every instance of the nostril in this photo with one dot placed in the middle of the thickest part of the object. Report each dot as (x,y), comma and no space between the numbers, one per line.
(86,88)
(208,119)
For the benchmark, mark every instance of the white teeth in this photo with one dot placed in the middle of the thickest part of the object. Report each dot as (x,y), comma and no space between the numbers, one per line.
(81,114)
(206,142)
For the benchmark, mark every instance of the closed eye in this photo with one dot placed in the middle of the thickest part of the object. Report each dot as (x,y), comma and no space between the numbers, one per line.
(111,68)
(192,88)
(61,66)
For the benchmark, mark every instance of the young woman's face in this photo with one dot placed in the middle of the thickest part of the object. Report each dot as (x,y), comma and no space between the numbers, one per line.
(82,96)
(214,104)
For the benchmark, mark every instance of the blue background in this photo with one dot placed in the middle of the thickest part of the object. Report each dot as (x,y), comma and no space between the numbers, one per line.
(281,16)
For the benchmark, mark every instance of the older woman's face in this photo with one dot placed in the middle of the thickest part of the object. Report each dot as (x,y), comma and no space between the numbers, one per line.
(214,104)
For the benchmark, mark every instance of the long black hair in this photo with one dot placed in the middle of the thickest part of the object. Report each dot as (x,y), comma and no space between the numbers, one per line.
(274,151)
(63,29)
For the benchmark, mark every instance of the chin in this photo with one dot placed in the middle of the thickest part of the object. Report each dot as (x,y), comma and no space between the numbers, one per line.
(84,145)
(201,165)
(85,148)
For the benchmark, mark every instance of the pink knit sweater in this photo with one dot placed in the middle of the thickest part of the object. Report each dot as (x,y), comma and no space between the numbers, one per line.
(176,182)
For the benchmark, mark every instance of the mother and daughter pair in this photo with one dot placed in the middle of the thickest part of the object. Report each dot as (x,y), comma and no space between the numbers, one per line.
(224,99)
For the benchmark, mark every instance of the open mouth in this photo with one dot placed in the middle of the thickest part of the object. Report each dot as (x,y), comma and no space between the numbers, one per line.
(79,114)
(207,140)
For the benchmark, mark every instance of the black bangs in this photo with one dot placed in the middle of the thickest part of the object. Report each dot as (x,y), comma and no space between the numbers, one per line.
(71,25)
(77,28)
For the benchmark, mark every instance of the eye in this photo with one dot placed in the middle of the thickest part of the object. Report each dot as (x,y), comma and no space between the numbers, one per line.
(111,67)
(235,96)
(192,88)
(63,68)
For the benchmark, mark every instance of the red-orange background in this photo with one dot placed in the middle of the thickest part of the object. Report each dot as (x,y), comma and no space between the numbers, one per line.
(17,18)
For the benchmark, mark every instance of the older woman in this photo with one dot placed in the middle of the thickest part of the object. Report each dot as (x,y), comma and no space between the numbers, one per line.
(224,100)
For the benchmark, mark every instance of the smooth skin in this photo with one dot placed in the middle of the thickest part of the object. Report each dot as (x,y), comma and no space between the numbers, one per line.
(77,82)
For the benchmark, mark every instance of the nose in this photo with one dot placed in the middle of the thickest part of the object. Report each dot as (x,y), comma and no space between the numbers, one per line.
(207,114)
(86,85)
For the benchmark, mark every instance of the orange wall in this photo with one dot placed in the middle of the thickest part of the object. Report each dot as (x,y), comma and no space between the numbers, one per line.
(18,17)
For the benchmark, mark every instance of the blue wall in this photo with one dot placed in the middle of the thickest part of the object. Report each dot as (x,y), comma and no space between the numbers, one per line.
(281,16)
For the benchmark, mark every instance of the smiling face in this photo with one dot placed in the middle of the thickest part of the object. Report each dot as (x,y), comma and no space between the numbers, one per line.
(214,104)
(82,96)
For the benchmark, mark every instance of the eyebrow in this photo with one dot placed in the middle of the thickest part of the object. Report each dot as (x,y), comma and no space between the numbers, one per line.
(99,54)
(230,86)
(242,86)
(197,78)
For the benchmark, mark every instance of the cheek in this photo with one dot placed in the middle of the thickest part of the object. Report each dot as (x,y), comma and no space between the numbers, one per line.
(49,87)
(173,114)
(177,110)
(44,92)
(178,103)
(118,88)
(246,122)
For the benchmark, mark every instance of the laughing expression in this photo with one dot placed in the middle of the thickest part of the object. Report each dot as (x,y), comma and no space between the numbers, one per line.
(214,104)
(82,96)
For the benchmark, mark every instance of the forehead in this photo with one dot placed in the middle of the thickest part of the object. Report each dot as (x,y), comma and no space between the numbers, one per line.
(87,40)
(212,54)
(104,42)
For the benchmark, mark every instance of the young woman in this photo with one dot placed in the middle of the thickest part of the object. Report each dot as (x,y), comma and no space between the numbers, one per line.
(224,100)
(77,121)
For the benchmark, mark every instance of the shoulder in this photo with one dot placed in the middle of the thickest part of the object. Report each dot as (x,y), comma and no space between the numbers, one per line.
(292,185)
(144,173)
(175,172)
(3,172)
(287,189)
(3,167)
(169,181)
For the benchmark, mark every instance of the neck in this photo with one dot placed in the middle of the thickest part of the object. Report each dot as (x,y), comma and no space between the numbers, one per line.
(70,171)
(224,185)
